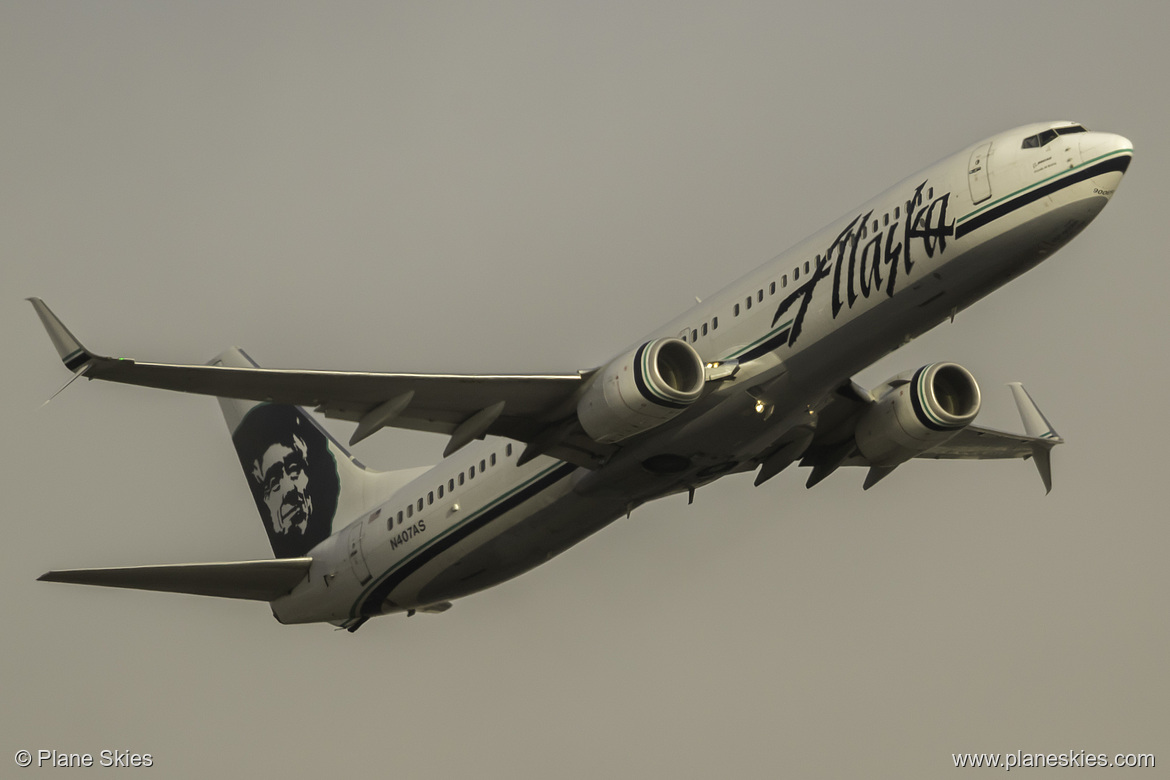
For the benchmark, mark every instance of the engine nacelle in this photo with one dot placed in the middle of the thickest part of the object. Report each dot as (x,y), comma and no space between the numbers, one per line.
(641,389)
(916,411)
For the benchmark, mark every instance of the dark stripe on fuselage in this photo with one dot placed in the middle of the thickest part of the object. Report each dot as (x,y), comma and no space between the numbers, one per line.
(640,381)
(764,347)
(1119,163)
(372,601)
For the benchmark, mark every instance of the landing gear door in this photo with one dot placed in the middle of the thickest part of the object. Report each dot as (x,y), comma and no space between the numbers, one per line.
(977,174)
(357,561)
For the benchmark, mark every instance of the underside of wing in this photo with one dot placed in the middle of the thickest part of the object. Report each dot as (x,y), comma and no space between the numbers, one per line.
(528,408)
(974,443)
(853,429)
(439,403)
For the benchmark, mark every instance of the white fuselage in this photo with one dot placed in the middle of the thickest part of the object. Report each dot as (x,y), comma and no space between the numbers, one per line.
(799,326)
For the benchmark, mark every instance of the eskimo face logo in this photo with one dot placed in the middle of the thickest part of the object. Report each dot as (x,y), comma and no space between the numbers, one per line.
(292,475)
(282,474)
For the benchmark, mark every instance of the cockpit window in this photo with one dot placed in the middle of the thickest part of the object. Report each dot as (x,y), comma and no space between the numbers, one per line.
(1048,136)
(1041,139)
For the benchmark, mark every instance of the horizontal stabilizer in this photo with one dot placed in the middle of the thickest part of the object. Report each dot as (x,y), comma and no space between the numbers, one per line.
(257,580)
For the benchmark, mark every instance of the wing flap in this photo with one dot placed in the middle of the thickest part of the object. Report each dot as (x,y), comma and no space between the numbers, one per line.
(255,580)
(974,443)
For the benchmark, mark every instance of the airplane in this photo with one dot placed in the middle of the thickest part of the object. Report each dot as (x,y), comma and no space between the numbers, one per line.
(754,378)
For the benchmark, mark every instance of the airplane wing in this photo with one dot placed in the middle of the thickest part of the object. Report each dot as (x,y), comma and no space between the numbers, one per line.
(975,443)
(833,445)
(535,409)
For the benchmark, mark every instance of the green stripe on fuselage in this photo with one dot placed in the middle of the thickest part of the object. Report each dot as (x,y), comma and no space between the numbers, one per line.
(759,341)
(1040,183)
(354,610)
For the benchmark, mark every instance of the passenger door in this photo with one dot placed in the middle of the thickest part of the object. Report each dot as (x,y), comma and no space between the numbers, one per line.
(977,174)
(357,560)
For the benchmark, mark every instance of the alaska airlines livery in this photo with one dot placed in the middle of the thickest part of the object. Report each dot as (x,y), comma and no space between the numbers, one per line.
(754,378)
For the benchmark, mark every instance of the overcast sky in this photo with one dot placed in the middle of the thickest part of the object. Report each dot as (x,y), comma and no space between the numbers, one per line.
(528,187)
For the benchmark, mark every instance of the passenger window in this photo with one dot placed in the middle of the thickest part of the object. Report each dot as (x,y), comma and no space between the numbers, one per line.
(460,477)
(400,517)
(737,310)
(875,226)
(714,323)
(430,497)
(772,289)
(420,505)
(796,274)
(885,220)
(694,335)
(760,296)
(806,266)
(897,212)
(410,511)
(471,473)
(508,450)
(749,302)
(704,329)
(440,491)
(482,466)
(493,459)
(451,484)
(784,280)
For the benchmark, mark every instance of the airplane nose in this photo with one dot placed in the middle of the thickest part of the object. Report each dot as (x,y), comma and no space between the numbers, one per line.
(1098,145)
(1106,158)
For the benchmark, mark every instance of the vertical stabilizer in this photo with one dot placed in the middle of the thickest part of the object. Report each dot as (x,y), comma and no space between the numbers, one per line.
(305,483)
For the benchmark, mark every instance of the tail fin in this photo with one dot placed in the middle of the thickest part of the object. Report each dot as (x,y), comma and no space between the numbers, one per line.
(304,481)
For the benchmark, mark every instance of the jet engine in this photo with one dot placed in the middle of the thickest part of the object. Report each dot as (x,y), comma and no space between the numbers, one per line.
(641,389)
(916,411)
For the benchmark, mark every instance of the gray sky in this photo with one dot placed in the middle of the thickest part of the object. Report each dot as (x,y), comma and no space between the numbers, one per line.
(529,187)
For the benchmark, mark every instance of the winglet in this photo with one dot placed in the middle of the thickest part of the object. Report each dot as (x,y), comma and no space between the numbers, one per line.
(1037,426)
(1042,457)
(73,355)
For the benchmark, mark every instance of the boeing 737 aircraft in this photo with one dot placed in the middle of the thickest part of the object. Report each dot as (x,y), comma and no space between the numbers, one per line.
(754,378)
